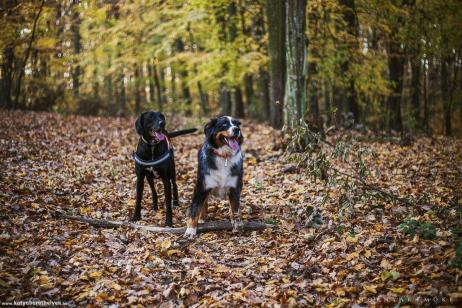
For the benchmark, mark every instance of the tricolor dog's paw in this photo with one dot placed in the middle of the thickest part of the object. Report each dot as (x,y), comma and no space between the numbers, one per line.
(190,233)
(237,225)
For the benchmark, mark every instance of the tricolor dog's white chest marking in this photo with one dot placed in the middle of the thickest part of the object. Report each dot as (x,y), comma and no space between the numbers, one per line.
(221,179)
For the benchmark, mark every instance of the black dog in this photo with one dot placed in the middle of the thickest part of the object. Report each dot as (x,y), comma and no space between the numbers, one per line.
(220,170)
(154,156)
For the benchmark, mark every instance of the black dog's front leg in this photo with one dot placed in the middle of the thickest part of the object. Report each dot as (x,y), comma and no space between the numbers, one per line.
(150,179)
(168,201)
(176,202)
(139,195)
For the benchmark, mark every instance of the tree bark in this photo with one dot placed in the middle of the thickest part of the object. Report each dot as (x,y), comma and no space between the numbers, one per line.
(26,57)
(296,45)
(202,95)
(313,89)
(152,89)
(225,100)
(352,26)
(415,89)
(122,112)
(158,87)
(396,64)
(238,103)
(138,78)
(173,83)
(95,84)
(447,104)
(77,46)
(184,76)
(425,95)
(276,12)
(249,94)
(163,86)
(264,94)
(7,76)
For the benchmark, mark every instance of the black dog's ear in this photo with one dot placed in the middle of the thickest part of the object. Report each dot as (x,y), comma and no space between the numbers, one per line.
(139,124)
(208,127)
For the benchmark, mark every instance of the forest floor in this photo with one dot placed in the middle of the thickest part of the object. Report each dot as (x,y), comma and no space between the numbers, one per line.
(82,166)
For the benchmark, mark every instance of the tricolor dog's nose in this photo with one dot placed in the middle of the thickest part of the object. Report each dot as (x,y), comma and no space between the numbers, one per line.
(236,131)
(161,123)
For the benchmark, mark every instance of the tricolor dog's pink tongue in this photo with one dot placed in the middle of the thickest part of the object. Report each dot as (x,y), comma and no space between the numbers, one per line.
(233,144)
(159,136)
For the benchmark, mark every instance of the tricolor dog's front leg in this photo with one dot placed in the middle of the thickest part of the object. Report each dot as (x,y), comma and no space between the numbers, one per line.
(199,199)
(234,200)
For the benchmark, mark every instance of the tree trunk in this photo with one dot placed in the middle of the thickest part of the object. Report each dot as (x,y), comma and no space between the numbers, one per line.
(95,84)
(276,12)
(296,44)
(27,54)
(352,29)
(7,76)
(445,95)
(225,100)
(173,83)
(121,96)
(138,78)
(163,86)
(425,95)
(396,63)
(204,98)
(77,46)
(184,76)
(264,94)
(248,90)
(415,90)
(238,103)
(313,89)
(158,86)
(151,78)
(202,95)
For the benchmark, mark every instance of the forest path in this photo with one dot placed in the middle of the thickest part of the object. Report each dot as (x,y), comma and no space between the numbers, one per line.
(82,165)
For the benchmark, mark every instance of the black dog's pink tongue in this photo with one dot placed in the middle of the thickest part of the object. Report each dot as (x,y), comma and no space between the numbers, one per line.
(233,144)
(159,136)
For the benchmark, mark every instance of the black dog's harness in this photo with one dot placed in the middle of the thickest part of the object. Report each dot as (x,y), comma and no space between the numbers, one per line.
(154,162)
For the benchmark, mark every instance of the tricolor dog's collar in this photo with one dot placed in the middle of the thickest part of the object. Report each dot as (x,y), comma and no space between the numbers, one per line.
(222,155)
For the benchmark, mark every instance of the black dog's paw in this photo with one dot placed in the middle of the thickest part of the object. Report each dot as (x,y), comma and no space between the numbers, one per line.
(135,217)
(155,207)
(169,224)
(176,203)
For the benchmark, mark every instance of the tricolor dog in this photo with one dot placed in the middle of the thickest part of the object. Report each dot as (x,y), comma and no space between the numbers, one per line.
(154,158)
(219,172)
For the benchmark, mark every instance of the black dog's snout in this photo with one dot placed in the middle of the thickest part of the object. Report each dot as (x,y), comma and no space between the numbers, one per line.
(236,130)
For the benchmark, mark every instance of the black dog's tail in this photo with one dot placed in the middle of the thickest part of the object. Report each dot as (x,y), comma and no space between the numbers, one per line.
(181,132)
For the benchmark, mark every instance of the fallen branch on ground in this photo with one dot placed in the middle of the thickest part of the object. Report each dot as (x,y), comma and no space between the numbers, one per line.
(211,226)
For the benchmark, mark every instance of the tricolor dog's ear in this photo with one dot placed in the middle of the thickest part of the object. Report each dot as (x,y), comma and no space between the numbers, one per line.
(139,124)
(208,127)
